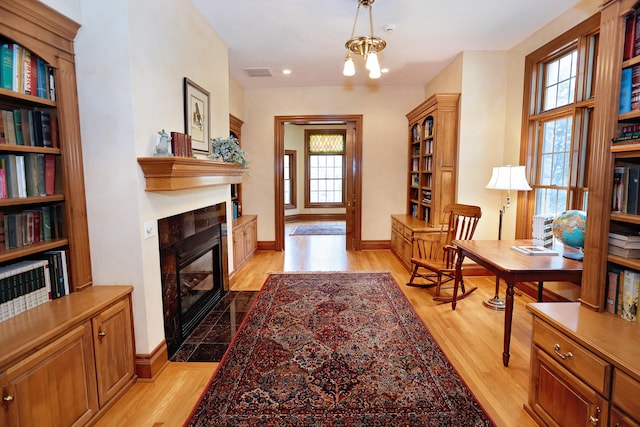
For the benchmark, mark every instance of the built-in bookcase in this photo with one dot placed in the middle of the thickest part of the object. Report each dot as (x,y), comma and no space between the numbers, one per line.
(433,146)
(42,198)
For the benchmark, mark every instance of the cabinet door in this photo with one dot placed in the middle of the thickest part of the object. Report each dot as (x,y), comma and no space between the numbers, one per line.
(252,238)
(560,398)
(618,419)
(115,361)
(238,246)
(54,386)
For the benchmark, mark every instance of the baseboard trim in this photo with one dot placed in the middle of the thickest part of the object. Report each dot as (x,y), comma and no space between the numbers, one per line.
(267,246)
(148,366)
(375,245)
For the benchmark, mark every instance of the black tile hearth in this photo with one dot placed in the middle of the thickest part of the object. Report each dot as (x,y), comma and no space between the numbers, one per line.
(210,339)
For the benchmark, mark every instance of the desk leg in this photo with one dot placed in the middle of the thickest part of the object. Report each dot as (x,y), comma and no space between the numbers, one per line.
(508,318)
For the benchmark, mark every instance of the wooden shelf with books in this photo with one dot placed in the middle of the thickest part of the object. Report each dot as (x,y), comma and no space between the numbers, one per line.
(85,335)
(431,173)
(40,183)
(433,142)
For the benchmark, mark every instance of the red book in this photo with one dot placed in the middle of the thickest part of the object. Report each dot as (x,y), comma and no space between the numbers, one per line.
(174,143)
(37,226)
(50,174)
(54,131)
(629,37)
(635,87)
(188,150)
(636,35)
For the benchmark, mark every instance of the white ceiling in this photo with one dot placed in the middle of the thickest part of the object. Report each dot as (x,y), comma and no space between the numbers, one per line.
(308,37)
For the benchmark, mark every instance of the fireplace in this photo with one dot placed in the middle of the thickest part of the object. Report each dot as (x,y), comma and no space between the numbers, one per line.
(193,263)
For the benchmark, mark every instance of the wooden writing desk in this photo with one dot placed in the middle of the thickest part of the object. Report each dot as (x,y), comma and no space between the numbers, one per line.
(514,267)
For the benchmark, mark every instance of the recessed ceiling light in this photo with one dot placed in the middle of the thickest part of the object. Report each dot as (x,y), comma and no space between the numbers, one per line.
(286,72)
(384,70)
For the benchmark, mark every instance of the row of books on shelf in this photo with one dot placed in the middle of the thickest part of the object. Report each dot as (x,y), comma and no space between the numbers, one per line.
(24,72)
(28,175)
(28,227)
(629,89)
(23,126)
(181,145)
(631,37)
(625,243)
(622,293)
(427,128)
(30,283)
(629,134)
(626,189)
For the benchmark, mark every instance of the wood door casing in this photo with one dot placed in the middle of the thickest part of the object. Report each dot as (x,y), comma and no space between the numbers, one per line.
(353,174)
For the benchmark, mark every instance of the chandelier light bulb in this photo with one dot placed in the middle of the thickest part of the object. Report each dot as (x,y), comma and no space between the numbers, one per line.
(349,67)
(372,61)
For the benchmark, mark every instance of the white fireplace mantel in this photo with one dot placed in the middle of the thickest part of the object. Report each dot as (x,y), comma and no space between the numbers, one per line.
(181,173)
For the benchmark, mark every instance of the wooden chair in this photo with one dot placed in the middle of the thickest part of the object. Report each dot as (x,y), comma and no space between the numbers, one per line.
(436,258)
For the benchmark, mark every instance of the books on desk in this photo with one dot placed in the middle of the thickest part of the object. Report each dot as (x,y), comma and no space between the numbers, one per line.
(534,250)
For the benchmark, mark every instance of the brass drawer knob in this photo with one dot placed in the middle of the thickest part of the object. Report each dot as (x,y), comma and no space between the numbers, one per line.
(567,355)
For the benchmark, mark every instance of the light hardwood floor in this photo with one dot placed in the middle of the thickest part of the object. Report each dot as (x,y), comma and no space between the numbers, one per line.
(471,337)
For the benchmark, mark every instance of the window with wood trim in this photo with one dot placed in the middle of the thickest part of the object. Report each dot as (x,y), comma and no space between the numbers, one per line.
(324,168)
(557,123)
(290,185)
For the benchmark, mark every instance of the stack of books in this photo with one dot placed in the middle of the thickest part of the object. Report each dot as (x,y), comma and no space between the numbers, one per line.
(542,230)
(625,244)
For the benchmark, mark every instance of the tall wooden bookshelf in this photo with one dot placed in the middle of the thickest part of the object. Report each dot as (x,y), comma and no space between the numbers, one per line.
(433,151)
(75,354)
(50,39)
(575,357)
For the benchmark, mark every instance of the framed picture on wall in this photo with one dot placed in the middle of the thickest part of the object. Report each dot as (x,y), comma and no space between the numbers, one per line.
(196,116)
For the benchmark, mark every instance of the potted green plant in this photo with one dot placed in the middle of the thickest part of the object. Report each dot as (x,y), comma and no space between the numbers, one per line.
(228,150)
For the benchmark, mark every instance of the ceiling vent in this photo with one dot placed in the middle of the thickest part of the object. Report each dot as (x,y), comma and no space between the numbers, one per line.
(258,72)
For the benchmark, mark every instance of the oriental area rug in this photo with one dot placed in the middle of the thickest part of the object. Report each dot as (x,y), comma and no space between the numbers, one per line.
(319,230)
(335,349)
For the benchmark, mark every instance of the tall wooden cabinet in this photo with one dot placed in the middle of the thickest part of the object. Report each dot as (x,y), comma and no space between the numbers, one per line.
(433,155)
(584,363)
(62,362)
(49,36)
(431,173)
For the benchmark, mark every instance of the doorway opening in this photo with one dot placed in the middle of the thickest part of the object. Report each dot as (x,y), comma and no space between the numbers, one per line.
(352,173)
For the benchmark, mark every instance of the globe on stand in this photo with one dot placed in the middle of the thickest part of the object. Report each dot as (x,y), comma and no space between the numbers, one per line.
(569,228)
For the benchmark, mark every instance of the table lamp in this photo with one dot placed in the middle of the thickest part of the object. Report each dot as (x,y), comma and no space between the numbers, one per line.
(505,178)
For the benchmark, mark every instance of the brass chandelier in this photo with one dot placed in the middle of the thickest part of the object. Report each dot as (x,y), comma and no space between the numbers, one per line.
(366,46)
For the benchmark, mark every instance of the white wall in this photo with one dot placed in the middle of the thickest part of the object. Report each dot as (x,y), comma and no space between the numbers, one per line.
(384,147)
(492,86)
(132,57)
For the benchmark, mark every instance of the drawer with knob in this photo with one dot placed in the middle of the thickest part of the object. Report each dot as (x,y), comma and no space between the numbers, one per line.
(592,369)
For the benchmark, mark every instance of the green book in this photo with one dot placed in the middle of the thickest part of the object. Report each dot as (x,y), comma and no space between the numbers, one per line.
(6,62)
(17,122)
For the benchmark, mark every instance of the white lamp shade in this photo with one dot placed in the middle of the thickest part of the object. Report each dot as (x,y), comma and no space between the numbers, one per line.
(349,67)
(372,61)
(508,178)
